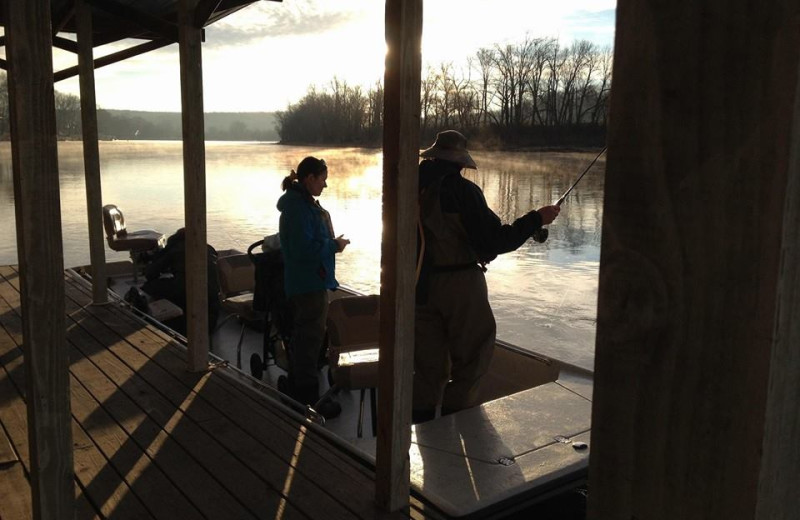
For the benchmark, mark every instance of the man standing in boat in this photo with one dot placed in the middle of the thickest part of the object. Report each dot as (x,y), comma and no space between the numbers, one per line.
(455,327)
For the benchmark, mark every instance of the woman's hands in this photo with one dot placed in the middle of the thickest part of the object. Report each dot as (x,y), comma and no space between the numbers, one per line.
(341,242)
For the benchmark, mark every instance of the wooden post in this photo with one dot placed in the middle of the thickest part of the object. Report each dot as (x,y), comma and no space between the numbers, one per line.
(194,179)
(398,249)
(779,479)
(91,152)
(40,254)
(697,371)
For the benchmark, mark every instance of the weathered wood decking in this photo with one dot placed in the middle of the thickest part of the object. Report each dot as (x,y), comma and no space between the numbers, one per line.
(152,440)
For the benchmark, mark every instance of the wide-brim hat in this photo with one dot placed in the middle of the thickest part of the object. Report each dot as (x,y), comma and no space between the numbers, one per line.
(450,145)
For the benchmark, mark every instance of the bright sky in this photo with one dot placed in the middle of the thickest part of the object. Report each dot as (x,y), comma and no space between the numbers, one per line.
(268,54)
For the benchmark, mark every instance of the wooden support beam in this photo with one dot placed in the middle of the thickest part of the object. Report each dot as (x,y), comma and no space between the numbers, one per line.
(40,254)
(697,370)
(91,153)
(194,189)
(398,249)
(205,8)
(130,52)
(65,44)
(780,464)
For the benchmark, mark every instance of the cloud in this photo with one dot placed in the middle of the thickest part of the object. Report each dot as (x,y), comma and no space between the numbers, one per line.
(595,26)
(592,19)
(270,20)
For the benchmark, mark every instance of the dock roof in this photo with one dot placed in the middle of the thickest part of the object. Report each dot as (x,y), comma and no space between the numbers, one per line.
(115,20)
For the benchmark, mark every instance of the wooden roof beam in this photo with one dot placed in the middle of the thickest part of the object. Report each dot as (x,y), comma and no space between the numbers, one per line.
(151,23)
(116,57)
(61,17)
(65,44)
(204,10)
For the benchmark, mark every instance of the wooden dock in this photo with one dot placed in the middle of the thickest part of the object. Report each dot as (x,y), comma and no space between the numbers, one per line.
(152,440)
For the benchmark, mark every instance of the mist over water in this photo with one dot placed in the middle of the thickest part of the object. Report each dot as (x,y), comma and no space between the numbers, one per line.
(544,295)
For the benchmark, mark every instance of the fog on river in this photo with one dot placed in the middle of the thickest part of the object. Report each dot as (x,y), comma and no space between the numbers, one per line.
(544,295)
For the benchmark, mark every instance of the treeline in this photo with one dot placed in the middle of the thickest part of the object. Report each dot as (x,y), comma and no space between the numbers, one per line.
(532,93)
(219,126)
(128,124)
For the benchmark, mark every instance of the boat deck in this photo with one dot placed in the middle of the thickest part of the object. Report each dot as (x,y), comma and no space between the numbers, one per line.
(152,440)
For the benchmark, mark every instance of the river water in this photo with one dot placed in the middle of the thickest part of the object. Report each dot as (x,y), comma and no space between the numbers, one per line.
(544,295)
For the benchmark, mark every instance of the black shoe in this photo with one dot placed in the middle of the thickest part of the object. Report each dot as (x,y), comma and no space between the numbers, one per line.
(137,299)
(329,409)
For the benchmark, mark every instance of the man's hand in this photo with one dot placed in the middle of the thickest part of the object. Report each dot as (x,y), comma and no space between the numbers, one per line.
(548,213)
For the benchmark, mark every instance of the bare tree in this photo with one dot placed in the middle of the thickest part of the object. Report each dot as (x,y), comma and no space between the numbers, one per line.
(486,59)
(585,80)
(536,88)
(427,100)
(603,88)
(68,114)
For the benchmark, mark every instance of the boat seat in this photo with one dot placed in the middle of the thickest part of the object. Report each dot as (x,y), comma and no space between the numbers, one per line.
(353,327)
(121,239)
(236,273)
(137,243)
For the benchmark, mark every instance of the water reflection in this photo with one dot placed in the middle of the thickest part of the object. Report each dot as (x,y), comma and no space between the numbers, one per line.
(544,295)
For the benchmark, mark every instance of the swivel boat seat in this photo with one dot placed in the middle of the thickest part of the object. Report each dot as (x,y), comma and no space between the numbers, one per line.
(236,274)
(353,328)
(138,243)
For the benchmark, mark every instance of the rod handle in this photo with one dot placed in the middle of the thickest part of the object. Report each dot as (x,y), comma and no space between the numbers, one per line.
(540,235)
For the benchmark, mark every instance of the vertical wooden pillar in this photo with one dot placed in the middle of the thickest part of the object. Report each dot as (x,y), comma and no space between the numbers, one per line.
(697,371)
(779,479)
(39,249)
(91,151)
(398,249)
(194,178)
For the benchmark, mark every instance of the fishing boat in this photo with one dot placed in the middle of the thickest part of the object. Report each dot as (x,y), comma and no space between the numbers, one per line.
(527,441)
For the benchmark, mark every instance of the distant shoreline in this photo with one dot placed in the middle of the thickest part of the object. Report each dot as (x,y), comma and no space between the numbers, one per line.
(477,148)
(565,148)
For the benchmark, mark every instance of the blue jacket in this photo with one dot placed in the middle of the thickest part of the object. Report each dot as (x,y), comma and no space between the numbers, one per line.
(307,243)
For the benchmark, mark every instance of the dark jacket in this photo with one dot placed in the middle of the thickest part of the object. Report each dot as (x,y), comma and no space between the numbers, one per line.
(486,233)
(172,261)
(307,243)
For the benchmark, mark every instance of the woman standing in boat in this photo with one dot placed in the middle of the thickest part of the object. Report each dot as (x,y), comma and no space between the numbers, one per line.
(309,247)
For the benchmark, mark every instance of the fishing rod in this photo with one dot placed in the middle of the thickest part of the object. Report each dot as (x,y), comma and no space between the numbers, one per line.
(541,234)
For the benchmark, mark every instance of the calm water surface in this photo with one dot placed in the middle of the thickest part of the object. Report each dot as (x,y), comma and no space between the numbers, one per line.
(544,295)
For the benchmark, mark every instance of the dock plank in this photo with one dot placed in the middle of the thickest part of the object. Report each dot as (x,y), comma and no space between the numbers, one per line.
(226,394)
(152,440)
(15,497)
(162,496)
(14,505)
(261,459)
(251,416)
(95,484)
(193,450)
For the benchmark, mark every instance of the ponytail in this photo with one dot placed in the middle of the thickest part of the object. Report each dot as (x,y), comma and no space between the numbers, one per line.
(308,166)
(288,180)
